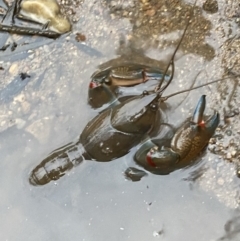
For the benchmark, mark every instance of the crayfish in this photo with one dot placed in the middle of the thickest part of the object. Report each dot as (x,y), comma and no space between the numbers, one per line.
(119,128)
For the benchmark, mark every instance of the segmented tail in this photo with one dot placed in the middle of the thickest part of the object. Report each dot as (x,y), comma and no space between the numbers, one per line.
(57,164)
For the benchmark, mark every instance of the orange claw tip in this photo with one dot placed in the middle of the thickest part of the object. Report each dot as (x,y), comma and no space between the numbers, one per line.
(93,84)
(202,123)
(149,159)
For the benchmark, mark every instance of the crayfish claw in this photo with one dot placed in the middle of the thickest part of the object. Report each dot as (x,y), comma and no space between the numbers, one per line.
(163,158)
(212,123)
(199,110)
(198,117)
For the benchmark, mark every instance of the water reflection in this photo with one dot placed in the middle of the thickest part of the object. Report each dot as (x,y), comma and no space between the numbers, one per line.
(154,24)
(232,229)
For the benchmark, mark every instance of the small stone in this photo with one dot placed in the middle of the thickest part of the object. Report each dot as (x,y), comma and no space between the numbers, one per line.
(13,70)
(134,174)
(220,181)
(212,141)
(26,107)
(233,153)
(229,132)
(20,98)
(228,156)
(211,147)
(80,37)
(210,6)
(151,12)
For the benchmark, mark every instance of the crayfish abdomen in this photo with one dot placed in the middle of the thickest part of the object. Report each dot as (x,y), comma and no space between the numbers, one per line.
(57,164)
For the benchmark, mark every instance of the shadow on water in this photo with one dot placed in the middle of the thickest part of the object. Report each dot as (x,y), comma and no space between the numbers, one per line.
(232,228)
(49,109)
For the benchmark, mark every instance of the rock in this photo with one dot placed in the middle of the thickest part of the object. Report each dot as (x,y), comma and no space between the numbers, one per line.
(13,70)
(45,12)
(210,6)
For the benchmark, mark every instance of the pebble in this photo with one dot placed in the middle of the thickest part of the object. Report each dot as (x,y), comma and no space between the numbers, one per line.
(229,132)
(228,156)
(210,6)
(233,153)
(151,12)
(20,98)
(13,70)
(25,107)
(220,181)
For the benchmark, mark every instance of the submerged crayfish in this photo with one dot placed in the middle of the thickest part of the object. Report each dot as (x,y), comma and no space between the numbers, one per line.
(116,130)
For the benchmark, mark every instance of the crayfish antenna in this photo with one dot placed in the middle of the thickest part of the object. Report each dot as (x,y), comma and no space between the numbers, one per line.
(197,87)
(171,62)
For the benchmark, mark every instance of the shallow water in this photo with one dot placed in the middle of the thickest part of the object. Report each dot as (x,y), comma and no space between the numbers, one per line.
(49,109)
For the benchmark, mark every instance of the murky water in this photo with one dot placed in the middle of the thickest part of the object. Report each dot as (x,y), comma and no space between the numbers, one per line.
(49,109)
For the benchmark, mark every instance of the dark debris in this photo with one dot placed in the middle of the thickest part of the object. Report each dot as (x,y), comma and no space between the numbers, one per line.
(23,76)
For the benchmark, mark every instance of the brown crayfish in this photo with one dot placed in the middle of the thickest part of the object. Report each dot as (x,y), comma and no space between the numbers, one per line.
(119,128)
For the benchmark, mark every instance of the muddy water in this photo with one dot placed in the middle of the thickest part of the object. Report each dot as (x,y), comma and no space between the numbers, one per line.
(49,109)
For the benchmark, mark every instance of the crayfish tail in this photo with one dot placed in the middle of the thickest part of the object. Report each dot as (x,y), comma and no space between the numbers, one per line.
(57,164)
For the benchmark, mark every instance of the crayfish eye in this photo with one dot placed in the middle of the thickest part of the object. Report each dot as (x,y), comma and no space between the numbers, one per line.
(154,107)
